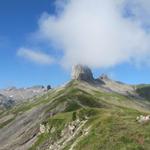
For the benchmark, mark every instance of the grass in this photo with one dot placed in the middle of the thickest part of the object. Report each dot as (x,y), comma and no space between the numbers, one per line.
(116,129)
(6,122)
(111,128)
(57,122)
(111,116)
(1,111)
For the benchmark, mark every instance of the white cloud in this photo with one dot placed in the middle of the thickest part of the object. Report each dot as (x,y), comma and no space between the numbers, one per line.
(35,56)
(95,32)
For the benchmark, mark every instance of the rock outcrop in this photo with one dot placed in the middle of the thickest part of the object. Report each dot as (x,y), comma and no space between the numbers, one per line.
(143,119)
(80,72)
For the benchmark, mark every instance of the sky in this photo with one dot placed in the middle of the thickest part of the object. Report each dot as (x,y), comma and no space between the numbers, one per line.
(40,41)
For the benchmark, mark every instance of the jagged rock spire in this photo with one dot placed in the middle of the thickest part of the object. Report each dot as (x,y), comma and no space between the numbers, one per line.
(82,72)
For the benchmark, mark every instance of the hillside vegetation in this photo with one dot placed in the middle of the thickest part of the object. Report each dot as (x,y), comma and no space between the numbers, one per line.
(77,116)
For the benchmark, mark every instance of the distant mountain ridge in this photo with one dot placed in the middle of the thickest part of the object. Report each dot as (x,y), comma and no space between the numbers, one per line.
(13,95)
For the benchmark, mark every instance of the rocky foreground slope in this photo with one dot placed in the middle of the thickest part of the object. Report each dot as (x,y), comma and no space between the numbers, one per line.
(85,114)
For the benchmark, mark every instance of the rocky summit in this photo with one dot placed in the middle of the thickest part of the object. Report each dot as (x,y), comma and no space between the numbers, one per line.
(81,72)
(84,114)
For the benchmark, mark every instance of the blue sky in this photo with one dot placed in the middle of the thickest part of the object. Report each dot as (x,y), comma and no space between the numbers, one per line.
(19,29)
(17,20)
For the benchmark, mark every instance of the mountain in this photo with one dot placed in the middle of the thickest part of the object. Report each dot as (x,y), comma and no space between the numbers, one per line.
(5,102)
(13,96)
(84,114)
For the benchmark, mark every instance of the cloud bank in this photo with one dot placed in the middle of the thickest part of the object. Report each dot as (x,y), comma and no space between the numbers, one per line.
(97,33)
(35,56)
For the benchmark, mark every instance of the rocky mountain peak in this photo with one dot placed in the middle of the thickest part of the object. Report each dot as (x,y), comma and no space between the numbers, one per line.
(82,72)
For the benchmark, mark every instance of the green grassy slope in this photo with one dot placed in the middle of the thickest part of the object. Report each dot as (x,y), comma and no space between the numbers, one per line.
(111,121)
(107,120)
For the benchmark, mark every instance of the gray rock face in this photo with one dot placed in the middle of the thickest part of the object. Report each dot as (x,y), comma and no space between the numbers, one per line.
(6,102)
(80,72)
(11,96)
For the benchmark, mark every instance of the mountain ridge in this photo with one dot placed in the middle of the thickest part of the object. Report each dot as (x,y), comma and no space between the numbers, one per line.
(81,115)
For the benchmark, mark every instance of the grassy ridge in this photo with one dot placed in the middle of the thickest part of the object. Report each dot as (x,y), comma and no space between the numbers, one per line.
(116,129)
(111,119)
